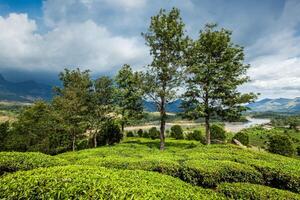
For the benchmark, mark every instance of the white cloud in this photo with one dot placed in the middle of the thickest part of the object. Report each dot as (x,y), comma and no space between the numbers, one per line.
(84,44)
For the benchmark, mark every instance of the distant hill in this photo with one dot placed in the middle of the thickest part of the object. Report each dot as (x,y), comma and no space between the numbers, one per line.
(173,107)
(276,105)
(26,91)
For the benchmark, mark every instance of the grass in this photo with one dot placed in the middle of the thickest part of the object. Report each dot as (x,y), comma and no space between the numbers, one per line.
(137,169)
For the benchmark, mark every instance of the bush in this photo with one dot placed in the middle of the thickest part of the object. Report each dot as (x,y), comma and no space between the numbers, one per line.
(281,144)
(243,137)
(14,161)
(298,150)
(140,132)
(209,173)
(129,134)
(195,135)
(217,133)
(252,191)
(110,134)
(153,133)
(83,182)
(4,128)
(176,132)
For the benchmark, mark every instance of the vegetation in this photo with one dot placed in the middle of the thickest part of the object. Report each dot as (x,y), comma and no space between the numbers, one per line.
(218,134)
(215,69)
(281,144)
(242,137)
(176,132)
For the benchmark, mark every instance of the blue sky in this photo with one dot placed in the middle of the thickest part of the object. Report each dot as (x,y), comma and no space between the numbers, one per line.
(39,38)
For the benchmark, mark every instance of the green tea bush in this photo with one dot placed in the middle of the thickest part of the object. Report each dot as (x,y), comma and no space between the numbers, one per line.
(110,134)
(14,161)
(176,132)
(217,133)
(195,135)
(83,182)
(252,191)
(281,144)
(243,137)
(153,133)
(209,173)
(140,132)
(129,134)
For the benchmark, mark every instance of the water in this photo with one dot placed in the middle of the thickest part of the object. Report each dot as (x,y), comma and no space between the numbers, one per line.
(237,126)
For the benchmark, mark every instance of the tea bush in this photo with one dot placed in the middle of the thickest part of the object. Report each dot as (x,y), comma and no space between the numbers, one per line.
(153,133)
(83,182)
(243,137)
(281,144)
(195,135)
(217,133)
(14,161)
(252,191)
(176,132)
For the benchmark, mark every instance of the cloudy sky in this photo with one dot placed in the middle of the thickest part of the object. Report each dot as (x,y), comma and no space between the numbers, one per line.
(39,38)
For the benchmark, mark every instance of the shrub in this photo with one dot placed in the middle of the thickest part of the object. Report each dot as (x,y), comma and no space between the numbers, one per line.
(153,133)
(140,132)
(110,134)
(252,191)
(243,137)
(298,150)
(281,144)
(130,134)
(217,133)
(176,132)
(195,135)
(82,182)
(14,161)
(209,173)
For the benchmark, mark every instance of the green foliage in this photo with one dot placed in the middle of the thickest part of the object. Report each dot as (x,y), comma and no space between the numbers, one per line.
(167,43)
(82,182)
(243,137)
(153,133)
(129,95)
(281,144)
(176,132)
(218,134)
(15,161)
(4,131)
(110,134)
(129,134)
(140,132)
(298,150)
(209,173)
(196,135)
(252,191)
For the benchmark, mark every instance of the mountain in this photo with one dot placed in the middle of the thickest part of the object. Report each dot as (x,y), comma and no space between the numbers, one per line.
(173,107)
(26,91)
(276,105)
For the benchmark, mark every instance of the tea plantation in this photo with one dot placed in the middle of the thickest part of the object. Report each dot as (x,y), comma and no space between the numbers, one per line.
(137,169)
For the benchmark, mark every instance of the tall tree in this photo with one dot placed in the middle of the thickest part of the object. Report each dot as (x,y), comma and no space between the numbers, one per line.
(72,101)
(101,105)
(167,43)
(215,69)
(129,95)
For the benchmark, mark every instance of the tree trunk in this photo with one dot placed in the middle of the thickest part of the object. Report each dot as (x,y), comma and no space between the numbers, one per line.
(207,129)
(122,126)
(162,124)
(73,142)
(95,139)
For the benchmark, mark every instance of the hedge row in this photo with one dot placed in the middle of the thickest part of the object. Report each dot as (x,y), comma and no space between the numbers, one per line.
(14,161)
(83,182)
(253,192)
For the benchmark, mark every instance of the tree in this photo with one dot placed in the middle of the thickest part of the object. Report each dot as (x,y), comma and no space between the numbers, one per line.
(167,43)
(4,131)
(101,105)
(129,95)
(71,101)
(214,71)
(281,144)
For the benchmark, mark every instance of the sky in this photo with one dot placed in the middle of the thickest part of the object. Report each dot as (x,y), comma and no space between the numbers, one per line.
(39,38)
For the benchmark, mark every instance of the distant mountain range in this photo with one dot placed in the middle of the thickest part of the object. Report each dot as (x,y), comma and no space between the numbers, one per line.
(276,105)
(26,91)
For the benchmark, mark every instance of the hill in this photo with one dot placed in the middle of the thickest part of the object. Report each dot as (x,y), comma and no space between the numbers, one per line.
(137,169)
(25,91)
(173,107)
(282,105)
